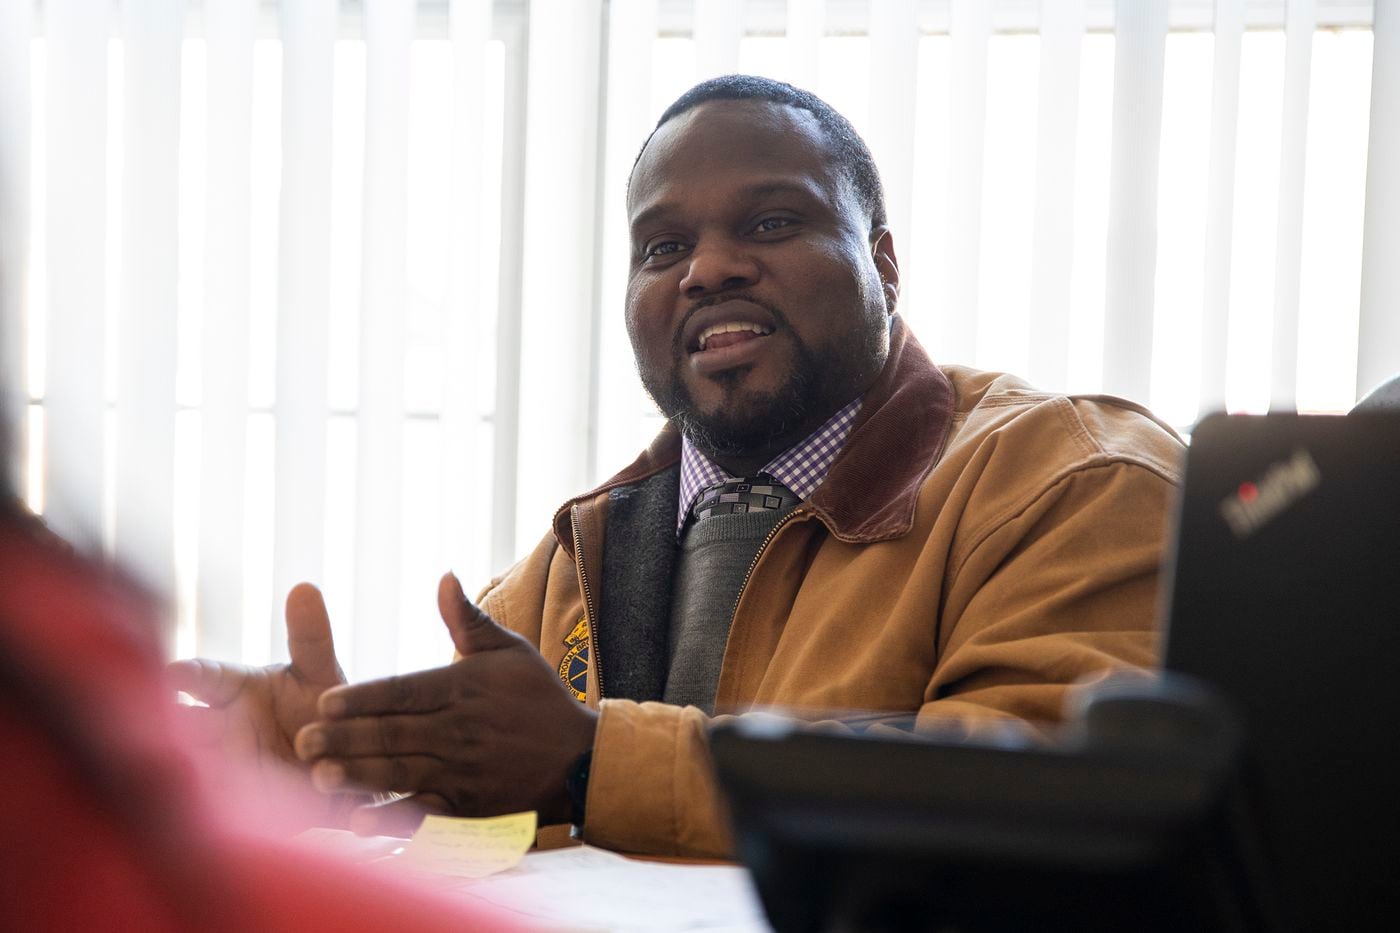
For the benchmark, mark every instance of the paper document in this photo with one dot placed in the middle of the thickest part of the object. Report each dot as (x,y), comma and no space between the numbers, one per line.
(347,845)
(588,889)
(579,889)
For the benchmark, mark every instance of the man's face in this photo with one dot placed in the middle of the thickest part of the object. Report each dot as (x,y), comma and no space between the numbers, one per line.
(754,303)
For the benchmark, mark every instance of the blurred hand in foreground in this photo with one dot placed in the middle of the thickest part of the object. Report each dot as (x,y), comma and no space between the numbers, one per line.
(255,712)
(494,732)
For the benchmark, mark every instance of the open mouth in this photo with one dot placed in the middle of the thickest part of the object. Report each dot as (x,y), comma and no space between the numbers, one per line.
(728,334)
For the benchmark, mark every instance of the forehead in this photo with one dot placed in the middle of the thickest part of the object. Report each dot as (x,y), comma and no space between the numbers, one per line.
(727,143)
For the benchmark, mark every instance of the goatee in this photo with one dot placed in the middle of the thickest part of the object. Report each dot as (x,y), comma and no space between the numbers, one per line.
(744,423)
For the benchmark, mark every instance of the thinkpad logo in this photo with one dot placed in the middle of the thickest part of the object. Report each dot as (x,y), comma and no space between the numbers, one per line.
(1255,504)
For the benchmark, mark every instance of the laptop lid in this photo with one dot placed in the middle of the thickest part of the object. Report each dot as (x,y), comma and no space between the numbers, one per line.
(1285,597)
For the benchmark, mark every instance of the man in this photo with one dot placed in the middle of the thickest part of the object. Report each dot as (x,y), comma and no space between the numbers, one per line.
(912,540)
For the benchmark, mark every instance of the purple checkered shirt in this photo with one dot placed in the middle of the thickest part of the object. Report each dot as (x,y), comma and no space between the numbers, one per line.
(801,467)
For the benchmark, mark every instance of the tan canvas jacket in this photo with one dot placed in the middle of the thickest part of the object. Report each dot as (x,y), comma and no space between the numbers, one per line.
(977,547)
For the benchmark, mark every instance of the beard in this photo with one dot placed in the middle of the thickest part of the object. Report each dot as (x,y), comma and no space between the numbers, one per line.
(817,384)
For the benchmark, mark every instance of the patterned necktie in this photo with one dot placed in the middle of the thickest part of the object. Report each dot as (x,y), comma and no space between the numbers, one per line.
(761,493)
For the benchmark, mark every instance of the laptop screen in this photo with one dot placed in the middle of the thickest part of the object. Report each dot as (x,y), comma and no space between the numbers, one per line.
(1285,597)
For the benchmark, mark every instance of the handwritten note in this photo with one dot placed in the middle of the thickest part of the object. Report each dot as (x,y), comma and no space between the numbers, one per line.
(465,848)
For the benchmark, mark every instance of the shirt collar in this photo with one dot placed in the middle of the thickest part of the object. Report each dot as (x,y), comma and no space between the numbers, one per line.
(801,468)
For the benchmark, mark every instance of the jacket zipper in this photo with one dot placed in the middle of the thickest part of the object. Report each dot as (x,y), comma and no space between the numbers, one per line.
(594,659)
(744,585)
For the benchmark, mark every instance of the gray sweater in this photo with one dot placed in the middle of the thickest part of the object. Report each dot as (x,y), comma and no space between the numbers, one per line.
(712,561)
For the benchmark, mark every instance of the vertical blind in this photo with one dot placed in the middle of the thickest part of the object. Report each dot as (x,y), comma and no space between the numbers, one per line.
(333,291)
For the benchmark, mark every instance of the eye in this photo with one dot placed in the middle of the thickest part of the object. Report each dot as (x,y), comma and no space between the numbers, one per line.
(769,224)
(661,249)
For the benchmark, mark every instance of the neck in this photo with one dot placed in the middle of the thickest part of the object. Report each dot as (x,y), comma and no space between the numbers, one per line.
(741,464)
(749,462)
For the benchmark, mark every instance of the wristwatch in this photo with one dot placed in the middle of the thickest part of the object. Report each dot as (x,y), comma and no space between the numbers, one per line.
(576,783)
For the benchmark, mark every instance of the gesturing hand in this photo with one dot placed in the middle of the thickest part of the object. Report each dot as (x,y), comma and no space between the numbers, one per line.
(494,732)
(258,710)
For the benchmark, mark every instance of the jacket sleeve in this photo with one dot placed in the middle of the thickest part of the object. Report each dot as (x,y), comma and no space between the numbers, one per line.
(1060,589)
(1056,590)
(652,789)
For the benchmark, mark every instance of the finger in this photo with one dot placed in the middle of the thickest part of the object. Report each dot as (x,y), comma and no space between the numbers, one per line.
(369,735)
(399,773)
(309,639)
(421,692)
(471,629)
(211,682)
(400,817)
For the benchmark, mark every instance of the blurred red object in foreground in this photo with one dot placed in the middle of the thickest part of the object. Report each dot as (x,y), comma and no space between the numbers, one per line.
(107,820)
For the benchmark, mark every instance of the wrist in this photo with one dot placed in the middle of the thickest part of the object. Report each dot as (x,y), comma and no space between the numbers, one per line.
(576,786)
(569,794)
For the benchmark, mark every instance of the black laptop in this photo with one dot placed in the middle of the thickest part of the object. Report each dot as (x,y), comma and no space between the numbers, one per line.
(1255,787)
(1285,598)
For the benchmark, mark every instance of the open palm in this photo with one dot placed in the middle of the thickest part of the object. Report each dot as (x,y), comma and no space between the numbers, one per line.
(255,712)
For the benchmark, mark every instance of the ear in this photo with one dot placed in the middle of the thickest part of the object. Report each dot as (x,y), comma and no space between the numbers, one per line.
(887,264)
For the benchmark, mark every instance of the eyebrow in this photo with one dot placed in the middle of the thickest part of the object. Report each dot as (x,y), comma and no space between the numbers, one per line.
(752,192)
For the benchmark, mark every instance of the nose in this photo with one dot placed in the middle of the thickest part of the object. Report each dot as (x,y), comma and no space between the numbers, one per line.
(718,265)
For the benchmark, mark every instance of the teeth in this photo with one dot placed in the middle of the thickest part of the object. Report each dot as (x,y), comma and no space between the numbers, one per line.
(731,327)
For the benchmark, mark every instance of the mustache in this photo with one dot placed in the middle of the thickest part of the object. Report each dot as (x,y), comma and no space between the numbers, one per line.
(678,341)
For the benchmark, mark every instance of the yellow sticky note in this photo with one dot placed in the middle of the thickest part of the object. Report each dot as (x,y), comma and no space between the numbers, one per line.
(471,848)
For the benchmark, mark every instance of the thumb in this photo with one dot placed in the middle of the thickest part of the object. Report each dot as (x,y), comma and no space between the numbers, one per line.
(472,630)
(309,639)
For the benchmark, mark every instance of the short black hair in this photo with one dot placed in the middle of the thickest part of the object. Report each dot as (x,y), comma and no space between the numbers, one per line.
(849,152)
